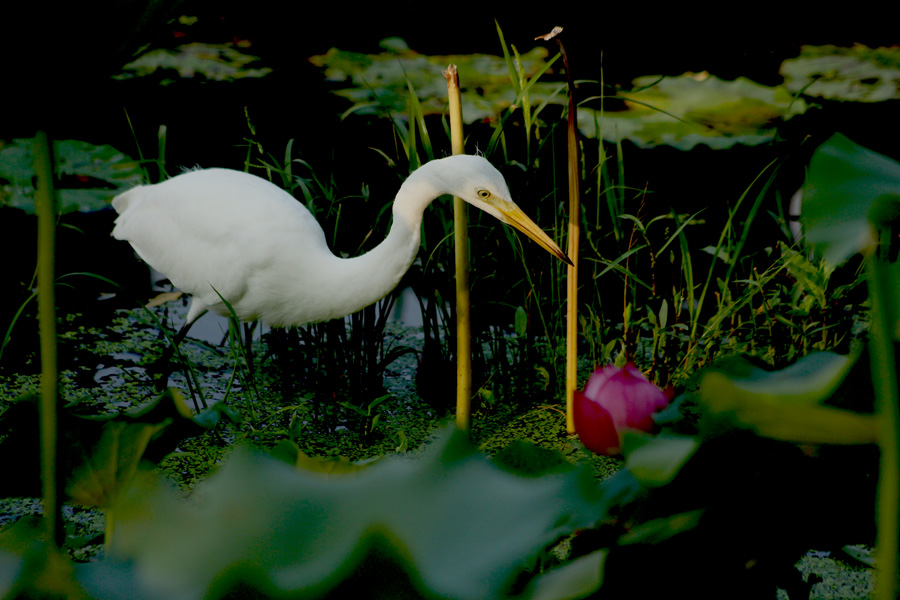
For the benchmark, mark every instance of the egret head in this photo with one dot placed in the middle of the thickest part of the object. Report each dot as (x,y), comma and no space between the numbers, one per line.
(476,181)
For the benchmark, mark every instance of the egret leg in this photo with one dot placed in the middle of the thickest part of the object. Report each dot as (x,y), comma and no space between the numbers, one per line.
(248,348)
(165,361)
(189,375)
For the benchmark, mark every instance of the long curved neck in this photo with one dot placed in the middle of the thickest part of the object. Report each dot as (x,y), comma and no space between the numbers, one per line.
(371,276)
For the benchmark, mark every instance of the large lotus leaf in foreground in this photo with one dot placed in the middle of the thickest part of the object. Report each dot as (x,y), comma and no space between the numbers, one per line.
(450,523)
(787,404)
(850,191)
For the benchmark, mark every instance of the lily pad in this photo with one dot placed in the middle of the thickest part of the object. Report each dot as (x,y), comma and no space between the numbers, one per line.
(692,109)
(88,176)
(376,83)
(858,73)
(215,62)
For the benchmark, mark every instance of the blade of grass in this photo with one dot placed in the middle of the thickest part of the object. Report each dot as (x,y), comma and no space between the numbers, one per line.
(522,88)
(417,117)
(8,335)
(725,238)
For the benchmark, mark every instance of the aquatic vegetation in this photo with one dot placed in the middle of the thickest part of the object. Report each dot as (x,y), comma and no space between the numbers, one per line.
(782,358)
(379,83)
(858,73)
(692,109)
(89,175)
(214,62)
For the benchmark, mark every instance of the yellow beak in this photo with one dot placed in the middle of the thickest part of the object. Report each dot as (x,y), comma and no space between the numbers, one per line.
(515,217)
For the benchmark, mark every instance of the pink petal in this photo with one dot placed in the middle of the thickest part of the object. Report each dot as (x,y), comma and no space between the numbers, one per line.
(597,379)
(643,401)
(627,396)
(594,426)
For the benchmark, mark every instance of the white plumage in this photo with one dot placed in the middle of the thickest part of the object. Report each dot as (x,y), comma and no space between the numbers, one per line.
(218,230)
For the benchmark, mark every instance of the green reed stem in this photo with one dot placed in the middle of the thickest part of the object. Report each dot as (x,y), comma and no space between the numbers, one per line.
(884,380)
(45,207)
(573,248)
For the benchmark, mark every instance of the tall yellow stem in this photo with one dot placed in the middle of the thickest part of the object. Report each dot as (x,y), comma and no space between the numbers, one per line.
(574,235)
(461,241)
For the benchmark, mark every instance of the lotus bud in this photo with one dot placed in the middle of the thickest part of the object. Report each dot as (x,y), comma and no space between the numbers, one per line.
(614,401)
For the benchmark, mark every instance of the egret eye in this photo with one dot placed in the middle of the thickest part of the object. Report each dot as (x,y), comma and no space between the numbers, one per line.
(483,194)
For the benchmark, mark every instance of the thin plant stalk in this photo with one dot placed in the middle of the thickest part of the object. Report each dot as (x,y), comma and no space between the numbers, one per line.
(884,380)
(45,206)
(461,245)
(574,235)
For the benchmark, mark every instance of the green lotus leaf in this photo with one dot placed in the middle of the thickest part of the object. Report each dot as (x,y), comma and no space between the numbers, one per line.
(377,83)
(99,454)
(785,404)
(692,109)
(659,530)
(576,579)
(654,460)
(31,566)
(451,522)
(215,62)
(849,192)
(858,73)
(88,176)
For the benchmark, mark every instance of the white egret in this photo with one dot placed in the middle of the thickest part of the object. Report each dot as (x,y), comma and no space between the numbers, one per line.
(219,231)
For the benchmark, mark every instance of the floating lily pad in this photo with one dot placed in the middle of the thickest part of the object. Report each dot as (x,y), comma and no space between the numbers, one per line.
(88,176)
(677,111)
(376,83)
(216,62)
(860,73)
(692,109)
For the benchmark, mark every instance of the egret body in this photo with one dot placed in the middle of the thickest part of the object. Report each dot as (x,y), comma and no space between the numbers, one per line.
(219,231)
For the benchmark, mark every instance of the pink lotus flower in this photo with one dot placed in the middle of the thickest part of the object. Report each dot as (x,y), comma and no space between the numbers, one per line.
(613,401)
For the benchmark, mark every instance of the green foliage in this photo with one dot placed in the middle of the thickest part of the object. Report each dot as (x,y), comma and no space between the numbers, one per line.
(692,109)
(785,404)
(378,83)
(213,62)
(739,483)
(857,73)
(100,453)
(446,524)
(655,460)
(851,193)
(681,111)
(193,60)
(88,176)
